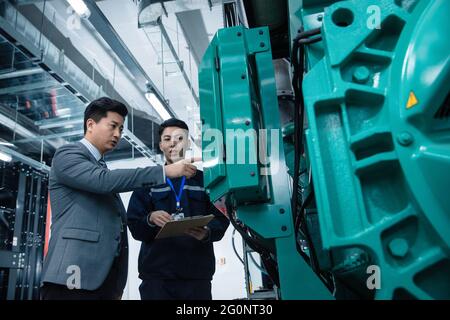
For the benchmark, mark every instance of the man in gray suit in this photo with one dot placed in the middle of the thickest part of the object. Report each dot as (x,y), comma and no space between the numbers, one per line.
(88,253)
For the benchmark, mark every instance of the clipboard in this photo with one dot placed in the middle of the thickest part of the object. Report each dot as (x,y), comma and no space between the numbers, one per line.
(177,228)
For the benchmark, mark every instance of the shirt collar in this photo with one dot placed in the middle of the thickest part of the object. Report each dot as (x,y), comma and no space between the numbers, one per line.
(92,149)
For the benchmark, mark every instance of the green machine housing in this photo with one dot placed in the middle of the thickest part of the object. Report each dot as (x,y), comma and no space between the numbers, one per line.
(376,161)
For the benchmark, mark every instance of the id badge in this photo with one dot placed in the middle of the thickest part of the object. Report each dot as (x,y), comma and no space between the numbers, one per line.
(177,216)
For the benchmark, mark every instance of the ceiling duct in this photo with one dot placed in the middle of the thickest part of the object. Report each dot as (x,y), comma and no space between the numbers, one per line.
(150,10)
(65,70)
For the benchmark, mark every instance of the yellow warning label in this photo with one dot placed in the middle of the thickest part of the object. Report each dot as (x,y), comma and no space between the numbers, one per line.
(412,100)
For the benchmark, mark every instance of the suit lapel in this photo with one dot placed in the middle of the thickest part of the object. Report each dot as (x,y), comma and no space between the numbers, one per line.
(88,153)
(123,214)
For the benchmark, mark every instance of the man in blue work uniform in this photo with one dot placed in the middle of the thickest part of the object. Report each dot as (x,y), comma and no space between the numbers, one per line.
(176,268)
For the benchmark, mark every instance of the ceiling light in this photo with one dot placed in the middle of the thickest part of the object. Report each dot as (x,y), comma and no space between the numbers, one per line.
(80,8)
(7,144)
(63,112)
(5,157)
(157,105)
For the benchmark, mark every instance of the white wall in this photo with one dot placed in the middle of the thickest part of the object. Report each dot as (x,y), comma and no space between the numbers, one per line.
(228,282)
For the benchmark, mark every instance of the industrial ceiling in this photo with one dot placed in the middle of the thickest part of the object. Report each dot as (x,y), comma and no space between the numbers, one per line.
(53,62)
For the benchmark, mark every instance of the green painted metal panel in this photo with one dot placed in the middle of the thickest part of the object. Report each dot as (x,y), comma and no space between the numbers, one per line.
(377,144)
(262,203)
(381,169)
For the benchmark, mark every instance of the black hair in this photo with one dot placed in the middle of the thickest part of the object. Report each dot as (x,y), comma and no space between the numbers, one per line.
(172,122)
(98,109)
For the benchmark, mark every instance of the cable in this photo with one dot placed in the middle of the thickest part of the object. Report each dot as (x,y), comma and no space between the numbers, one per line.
(298,219)
(310,41)
(304,34)
(261,269)
(234,247)
(251,257)
(297,51)
(269,264)
(298,123)
(298,63)
(252,243)
(297,222)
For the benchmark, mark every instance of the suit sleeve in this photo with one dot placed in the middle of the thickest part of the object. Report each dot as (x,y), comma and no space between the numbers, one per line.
(139,207)
(73,168)
(218,225)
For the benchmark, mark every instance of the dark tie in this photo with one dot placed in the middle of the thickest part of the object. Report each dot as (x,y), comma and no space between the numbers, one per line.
(102,163)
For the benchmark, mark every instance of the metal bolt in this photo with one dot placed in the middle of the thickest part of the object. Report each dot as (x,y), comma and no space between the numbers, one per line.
(283,228)
(252,174)
(405,138)
(247,122)
(261,32)
(262,44)
(282,211)
(243,76)
(320,17)
(398,247)
(239,34)
(361,75)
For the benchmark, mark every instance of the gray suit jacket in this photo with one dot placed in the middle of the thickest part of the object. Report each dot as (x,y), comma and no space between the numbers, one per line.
(87,216)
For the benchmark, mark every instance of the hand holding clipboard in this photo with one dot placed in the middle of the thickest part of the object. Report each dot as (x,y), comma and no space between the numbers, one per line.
(182,227)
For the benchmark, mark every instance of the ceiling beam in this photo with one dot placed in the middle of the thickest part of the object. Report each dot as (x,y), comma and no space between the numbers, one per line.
(112,38)
(53,136)
(58,123)
(41,85)
(20,73)
(177,59)
(194,31)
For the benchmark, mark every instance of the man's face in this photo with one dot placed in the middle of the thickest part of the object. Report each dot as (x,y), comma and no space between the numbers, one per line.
(105,134)
(174,143)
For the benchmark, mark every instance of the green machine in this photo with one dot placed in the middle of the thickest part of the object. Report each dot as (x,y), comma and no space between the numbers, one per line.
(326,134)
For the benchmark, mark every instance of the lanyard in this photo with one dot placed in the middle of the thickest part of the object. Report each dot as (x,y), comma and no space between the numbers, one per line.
(177,196)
